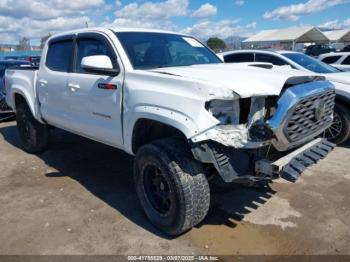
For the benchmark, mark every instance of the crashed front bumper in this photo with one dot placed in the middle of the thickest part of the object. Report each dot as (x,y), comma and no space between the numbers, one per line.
(292,165)
(234,165)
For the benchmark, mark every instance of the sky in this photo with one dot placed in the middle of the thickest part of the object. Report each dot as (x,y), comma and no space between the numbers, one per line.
(201,18)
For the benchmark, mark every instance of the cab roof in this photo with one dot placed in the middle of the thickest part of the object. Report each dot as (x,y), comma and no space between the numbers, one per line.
(115,30)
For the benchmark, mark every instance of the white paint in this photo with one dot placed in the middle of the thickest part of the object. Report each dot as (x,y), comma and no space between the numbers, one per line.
(276,211)
(175,96)
(97,61)
(340,80)
(193,42)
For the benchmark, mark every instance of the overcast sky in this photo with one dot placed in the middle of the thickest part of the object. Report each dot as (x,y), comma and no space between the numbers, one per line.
(222,18)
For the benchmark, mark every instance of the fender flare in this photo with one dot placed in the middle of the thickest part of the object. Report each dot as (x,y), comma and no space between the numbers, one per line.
(172,118)
(31,102)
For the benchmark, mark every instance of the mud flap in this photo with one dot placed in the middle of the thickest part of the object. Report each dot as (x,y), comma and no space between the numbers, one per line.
(292,165)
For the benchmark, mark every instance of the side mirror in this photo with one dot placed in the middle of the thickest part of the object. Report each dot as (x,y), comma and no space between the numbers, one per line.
(99,64)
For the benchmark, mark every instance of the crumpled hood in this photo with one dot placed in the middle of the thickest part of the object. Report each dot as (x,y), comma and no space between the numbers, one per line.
(243,79)
(343,77)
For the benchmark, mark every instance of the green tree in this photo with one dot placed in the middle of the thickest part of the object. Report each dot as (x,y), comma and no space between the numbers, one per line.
(216,44)
(23,45)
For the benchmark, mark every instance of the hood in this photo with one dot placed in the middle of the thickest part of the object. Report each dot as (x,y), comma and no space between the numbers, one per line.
(343,77)
(243,79)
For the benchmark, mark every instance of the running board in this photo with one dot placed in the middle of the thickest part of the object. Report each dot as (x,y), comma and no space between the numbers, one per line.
(292,165)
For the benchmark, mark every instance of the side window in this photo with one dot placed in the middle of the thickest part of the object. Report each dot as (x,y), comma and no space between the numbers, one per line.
(59,56)
(264,58)
(346,61)
(90,47)
(239,58)
(331,59)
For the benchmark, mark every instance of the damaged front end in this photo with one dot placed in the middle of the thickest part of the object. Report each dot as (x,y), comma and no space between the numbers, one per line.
(255,133)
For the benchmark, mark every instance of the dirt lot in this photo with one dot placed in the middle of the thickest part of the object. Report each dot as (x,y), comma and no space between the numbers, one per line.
(78,198)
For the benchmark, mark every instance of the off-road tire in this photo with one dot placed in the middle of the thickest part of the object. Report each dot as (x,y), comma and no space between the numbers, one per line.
(34,135)
(186,180)
(344,114)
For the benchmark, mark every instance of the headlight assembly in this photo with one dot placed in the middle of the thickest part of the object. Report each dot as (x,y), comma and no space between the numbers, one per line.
(226,111)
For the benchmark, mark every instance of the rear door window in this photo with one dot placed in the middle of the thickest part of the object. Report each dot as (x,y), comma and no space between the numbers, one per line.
(346,61)
(239,58)
(331,59)
(59,56)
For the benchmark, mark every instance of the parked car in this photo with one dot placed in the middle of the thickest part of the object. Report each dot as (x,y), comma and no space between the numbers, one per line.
(316,50)
(185,115)
(346,49)
(338,60)
(35,60)
(12,57)
(5,111)
(340,130)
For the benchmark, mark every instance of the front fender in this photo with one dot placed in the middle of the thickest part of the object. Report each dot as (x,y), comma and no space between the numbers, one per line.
(184,123)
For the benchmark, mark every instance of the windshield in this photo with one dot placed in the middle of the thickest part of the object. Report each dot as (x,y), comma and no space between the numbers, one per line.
(156,50)
(311,64)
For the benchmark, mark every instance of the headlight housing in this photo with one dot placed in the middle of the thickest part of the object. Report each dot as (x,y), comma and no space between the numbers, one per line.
(244,110)
(226,111)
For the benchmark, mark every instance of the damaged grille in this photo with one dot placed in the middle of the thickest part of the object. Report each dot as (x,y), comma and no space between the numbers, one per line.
(309,115)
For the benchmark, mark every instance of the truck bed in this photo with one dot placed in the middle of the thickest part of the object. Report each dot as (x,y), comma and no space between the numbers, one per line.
(22,80)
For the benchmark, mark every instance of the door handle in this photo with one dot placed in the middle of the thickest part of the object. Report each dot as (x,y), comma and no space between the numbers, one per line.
(42,82)
(74,87)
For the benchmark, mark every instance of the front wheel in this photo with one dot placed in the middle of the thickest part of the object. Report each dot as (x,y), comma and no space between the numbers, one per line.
(34,135)
(339,131)
(171,186)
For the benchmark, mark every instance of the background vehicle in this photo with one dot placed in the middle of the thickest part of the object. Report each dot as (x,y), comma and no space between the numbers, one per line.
(5,111)
(316,50)
(35,60)
(169,100)
(340,130)
(337,60)
(346,49)
(11,57)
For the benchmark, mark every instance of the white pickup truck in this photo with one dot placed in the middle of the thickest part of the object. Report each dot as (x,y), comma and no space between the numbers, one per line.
(187,117)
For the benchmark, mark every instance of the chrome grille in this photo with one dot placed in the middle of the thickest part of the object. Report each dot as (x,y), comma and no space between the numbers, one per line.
(310,115)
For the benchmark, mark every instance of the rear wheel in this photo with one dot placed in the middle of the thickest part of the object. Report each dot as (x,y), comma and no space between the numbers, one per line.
(171,186)
(339,131)
(34,135)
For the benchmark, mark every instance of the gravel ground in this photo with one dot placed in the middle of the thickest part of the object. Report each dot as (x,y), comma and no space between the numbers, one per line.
(78,198)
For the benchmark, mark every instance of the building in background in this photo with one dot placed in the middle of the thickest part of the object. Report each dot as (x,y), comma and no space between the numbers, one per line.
(340,38)
(286,39)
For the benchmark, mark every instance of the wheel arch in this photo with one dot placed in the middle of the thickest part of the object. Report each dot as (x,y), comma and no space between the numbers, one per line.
(146,130)
(343,100)
(20,96)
